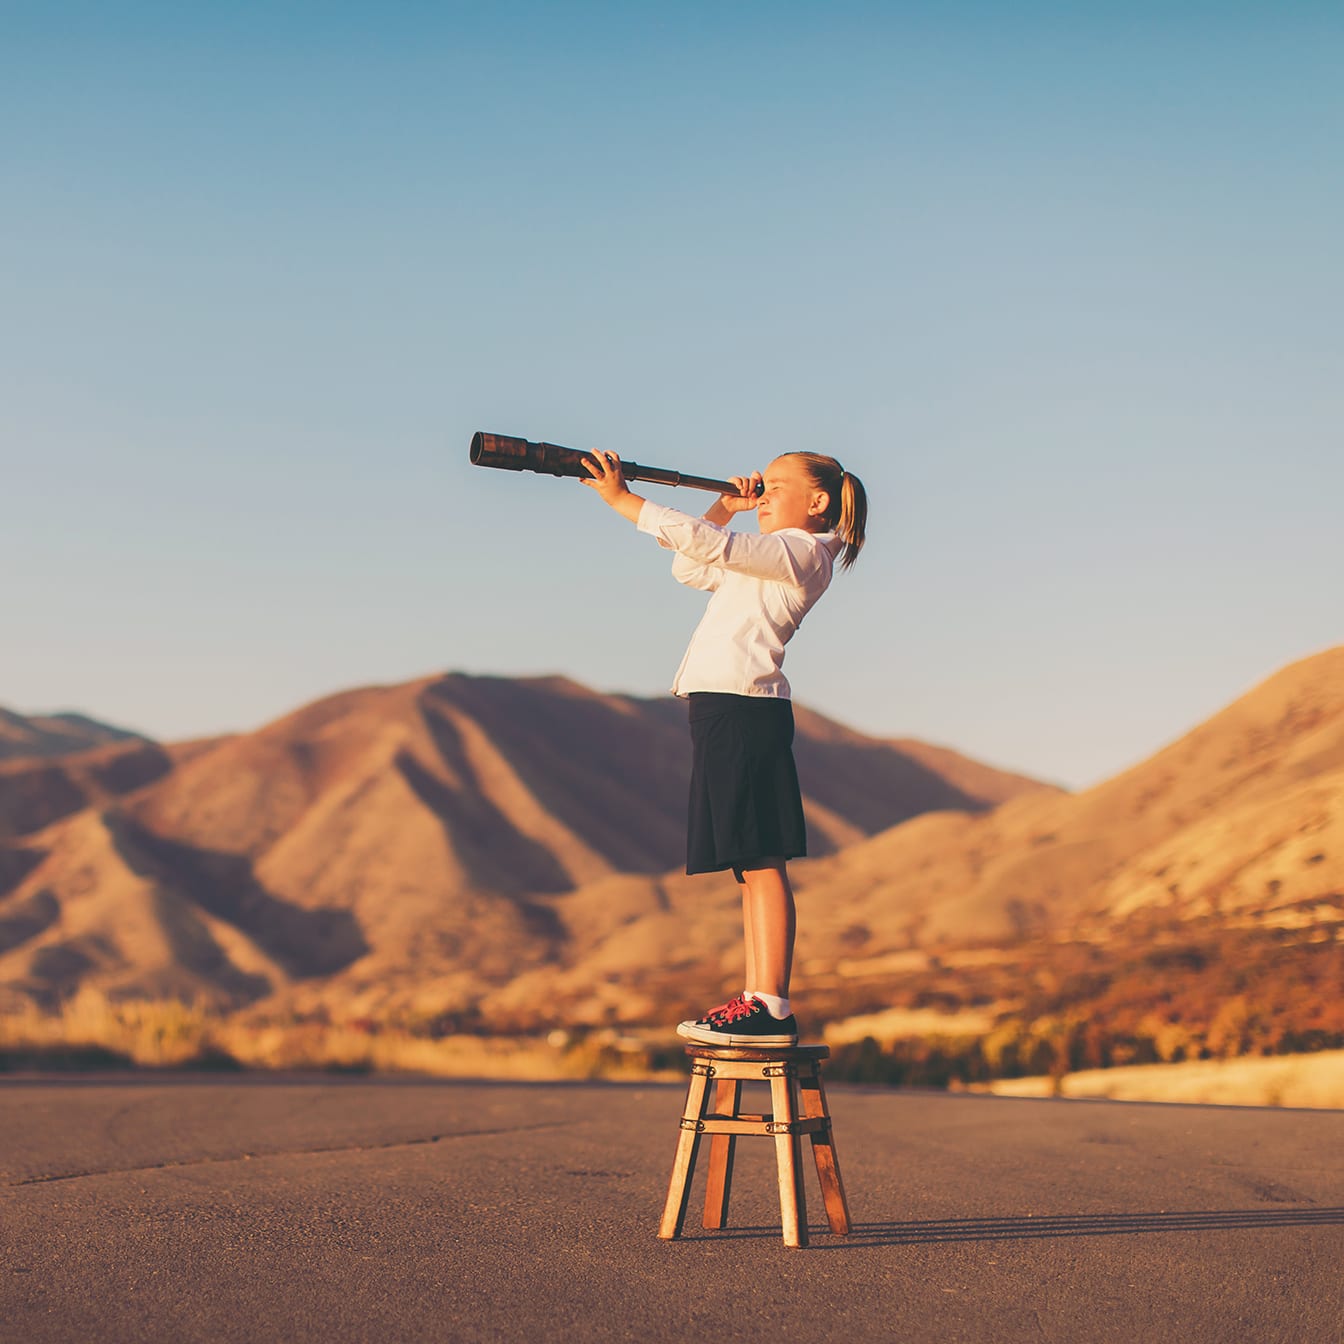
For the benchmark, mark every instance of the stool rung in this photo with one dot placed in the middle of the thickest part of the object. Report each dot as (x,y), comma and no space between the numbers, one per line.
(749,1124)
(819,1125)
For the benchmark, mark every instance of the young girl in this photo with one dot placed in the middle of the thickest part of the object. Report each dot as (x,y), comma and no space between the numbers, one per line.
(746,811)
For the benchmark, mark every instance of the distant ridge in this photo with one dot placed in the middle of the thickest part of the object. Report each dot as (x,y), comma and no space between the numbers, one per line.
(46,735)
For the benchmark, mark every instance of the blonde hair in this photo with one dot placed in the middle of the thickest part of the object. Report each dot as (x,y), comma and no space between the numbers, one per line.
(847,513)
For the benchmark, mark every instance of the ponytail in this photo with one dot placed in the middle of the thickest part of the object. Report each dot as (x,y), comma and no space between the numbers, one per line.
(847,513)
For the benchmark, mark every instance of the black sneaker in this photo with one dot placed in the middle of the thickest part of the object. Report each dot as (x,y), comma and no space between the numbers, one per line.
(741,1022)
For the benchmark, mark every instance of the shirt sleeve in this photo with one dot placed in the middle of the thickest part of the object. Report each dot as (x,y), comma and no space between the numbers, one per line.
(695,575)
(781,557)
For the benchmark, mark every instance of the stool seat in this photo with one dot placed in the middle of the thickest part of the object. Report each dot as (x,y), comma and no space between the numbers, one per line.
(787,1054)
(798,1107)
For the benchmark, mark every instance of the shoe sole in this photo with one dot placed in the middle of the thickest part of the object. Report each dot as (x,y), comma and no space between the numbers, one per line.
(690,1031)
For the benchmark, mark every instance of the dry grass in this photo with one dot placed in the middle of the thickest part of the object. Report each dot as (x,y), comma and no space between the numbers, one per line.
(897,1024)
(166,1034)
(154,1034)
(1315,1080)
(160,1034)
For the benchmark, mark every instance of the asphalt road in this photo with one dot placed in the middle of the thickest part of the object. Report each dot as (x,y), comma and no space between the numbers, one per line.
(219,1208)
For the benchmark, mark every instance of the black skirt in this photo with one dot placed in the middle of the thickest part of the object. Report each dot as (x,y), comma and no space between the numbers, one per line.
(745,803)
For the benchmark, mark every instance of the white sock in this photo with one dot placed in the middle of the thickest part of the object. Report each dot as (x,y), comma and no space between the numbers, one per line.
(779,1008)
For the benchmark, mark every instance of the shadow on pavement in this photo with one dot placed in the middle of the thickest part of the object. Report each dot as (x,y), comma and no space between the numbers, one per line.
(1029,1228)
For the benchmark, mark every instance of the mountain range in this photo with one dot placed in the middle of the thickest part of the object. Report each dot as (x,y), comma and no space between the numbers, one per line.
(505,855)
(412,849)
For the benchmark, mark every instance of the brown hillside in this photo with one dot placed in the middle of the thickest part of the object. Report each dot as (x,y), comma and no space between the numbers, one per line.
(982,782)
(1227,813)
(384,842)
(35,791)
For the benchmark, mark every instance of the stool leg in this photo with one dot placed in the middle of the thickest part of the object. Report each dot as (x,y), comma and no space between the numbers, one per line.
(823,1150)
(792,1197)
(679,1189)
(727,1098)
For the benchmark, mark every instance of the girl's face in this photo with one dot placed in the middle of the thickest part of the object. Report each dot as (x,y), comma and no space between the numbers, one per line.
(791,499)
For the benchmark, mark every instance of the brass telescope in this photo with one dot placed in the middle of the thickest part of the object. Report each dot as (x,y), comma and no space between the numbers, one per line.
(499,450)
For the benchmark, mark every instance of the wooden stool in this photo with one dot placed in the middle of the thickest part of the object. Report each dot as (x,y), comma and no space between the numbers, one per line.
(791,1073)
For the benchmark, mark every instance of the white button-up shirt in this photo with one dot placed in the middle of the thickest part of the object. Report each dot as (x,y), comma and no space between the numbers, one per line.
(762,584)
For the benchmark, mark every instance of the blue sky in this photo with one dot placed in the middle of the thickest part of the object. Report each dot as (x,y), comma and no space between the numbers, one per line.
(1061,283)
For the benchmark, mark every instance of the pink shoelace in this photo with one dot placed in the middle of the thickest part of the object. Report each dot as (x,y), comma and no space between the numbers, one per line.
(715,1013)
(738,1008)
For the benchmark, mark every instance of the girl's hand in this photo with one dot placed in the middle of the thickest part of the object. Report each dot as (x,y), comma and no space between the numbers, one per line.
(607,477)
(725,506)
(608,480)
(746,497)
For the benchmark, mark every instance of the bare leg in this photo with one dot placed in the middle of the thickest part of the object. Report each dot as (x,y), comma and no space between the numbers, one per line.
(769,922)
(749,939)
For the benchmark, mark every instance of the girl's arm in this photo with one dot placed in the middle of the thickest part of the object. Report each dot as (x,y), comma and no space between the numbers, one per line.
(783,559)
(694,573)
(609,481)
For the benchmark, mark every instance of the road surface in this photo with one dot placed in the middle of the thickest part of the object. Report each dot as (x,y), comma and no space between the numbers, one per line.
(254,1208)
